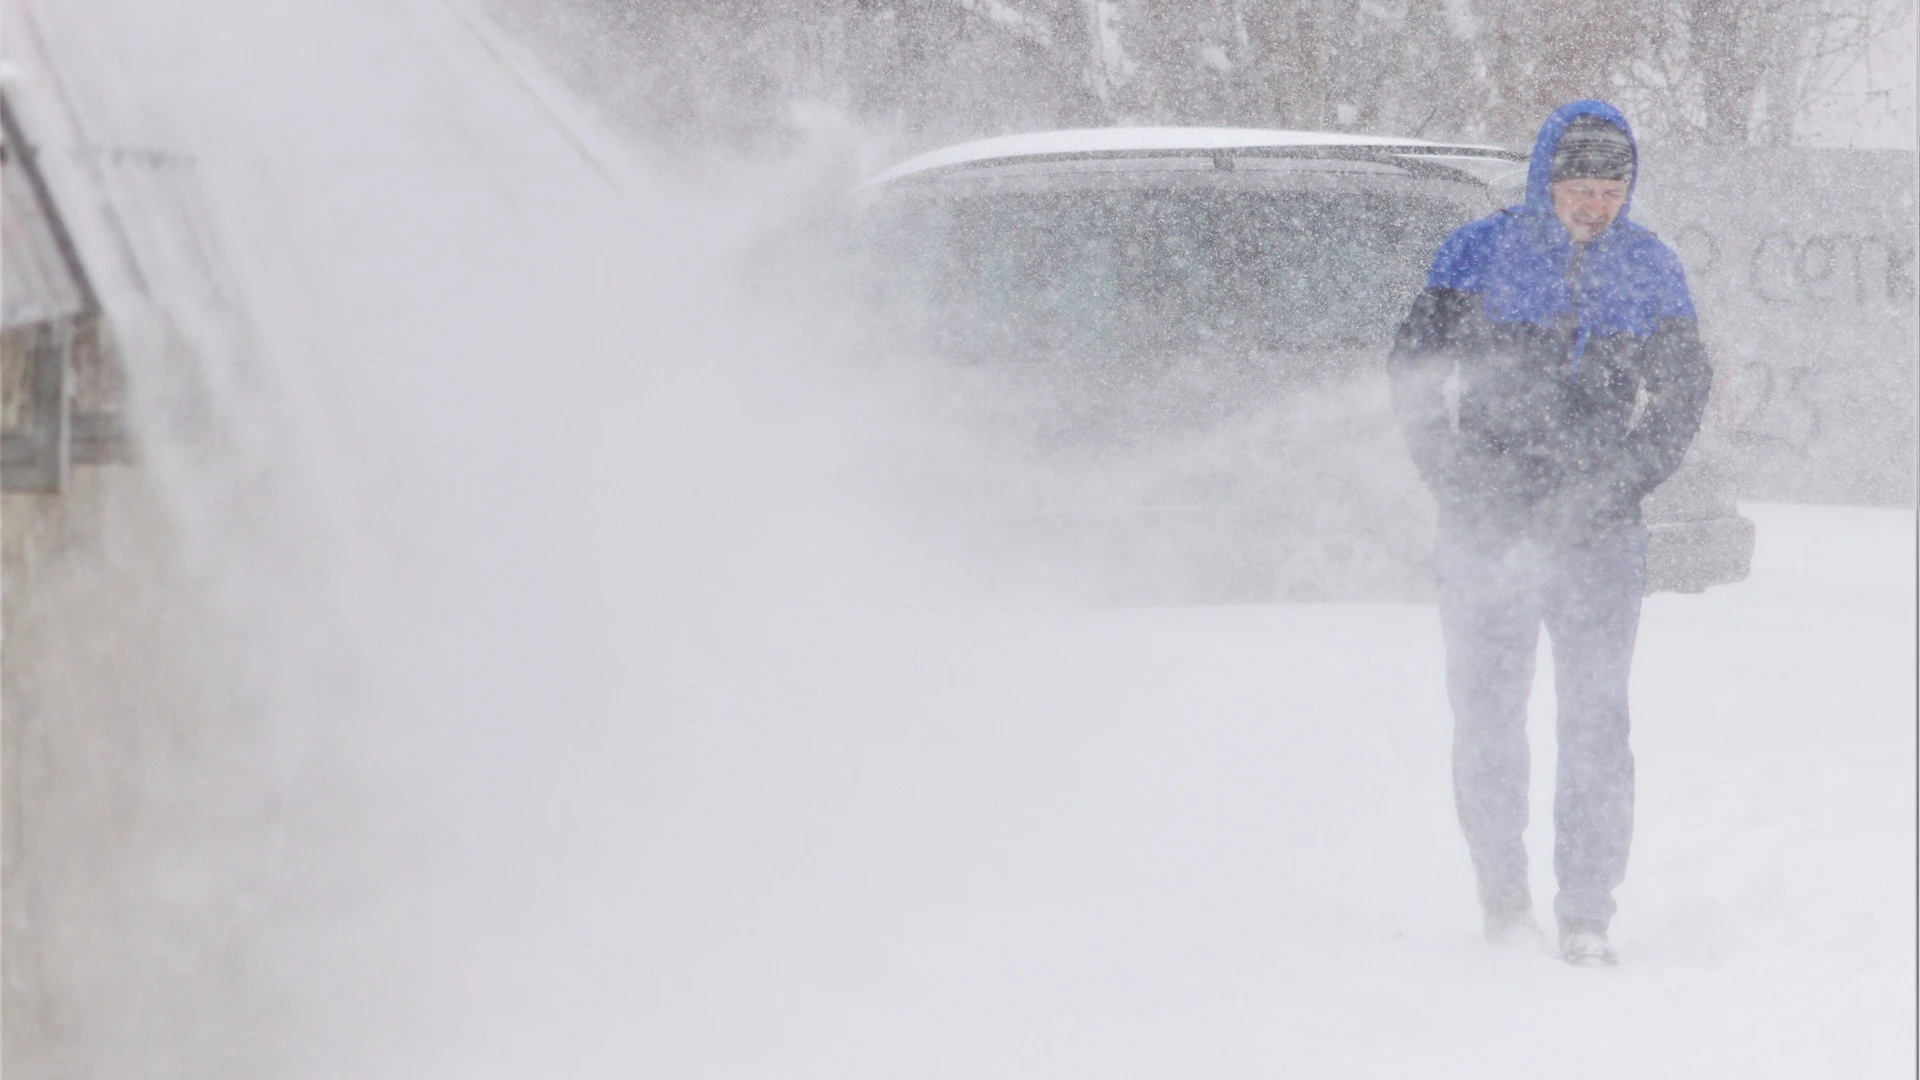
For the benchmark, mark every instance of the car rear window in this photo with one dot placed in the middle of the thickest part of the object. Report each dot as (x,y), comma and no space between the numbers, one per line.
(1023,274)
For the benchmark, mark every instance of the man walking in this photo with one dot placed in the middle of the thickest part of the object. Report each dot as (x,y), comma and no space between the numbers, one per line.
(1548,377)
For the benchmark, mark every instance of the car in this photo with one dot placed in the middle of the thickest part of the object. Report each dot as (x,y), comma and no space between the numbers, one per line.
(1168,346)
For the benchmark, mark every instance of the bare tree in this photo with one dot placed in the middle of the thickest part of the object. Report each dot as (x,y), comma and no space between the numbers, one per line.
(1742,71)
(1539,56)
(727,73)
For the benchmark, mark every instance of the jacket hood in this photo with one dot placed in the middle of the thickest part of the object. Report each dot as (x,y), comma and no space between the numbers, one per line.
(1540,166)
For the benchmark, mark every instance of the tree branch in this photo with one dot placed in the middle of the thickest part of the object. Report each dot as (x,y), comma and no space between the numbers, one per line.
(1010,19)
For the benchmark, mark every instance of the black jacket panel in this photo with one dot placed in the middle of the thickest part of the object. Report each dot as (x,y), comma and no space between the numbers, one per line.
(1532,441)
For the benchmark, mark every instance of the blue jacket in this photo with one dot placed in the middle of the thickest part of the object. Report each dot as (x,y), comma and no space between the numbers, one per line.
(1581,376)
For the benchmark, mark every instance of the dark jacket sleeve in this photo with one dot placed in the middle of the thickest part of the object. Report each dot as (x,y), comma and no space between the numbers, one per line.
(1425,352)
(1676,378)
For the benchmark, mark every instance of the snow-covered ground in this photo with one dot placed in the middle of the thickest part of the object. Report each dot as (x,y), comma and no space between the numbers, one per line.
(594,726)
(1220,842)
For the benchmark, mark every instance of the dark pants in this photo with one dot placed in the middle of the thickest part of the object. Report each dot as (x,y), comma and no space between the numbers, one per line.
(1492,605)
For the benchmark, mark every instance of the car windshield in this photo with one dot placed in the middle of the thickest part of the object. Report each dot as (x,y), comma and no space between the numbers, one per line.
(1029,274)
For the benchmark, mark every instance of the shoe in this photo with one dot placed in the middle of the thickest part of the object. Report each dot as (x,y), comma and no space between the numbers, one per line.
(1586,947)
(1509,930)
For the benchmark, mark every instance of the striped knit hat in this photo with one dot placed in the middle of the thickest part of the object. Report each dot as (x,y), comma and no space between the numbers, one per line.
(1592,148)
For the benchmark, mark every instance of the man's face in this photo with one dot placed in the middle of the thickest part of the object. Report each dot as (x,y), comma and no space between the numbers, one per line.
(1587,207)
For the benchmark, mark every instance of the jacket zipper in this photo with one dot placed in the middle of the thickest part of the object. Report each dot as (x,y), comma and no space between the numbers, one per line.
(1579,302)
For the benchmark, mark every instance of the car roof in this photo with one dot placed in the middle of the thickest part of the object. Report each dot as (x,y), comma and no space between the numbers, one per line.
(1157,141)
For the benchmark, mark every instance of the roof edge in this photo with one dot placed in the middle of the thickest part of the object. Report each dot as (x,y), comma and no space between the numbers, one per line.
(1075,142)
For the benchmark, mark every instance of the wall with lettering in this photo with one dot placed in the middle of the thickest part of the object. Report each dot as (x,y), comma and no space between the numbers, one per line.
(1802,264)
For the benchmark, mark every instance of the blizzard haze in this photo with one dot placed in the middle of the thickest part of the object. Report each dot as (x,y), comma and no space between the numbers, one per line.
(510,660)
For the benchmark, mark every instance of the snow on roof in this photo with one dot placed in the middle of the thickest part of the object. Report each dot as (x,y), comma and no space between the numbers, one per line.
(1126,139)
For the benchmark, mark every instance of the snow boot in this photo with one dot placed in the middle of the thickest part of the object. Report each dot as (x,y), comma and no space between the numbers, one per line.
(1586,946)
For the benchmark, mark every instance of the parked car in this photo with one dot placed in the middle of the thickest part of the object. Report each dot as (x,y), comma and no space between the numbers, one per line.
(1170,342)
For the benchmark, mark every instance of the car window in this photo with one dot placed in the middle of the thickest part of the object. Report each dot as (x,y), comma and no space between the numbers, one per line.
(1015,275)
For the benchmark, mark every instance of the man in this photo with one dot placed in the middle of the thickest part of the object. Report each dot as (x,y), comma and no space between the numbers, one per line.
(1549,376)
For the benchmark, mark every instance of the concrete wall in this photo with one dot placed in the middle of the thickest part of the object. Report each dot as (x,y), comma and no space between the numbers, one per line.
(1802,266)
(123,886)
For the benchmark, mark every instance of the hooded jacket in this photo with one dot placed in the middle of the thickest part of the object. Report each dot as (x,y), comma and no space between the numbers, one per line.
(1581,377)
